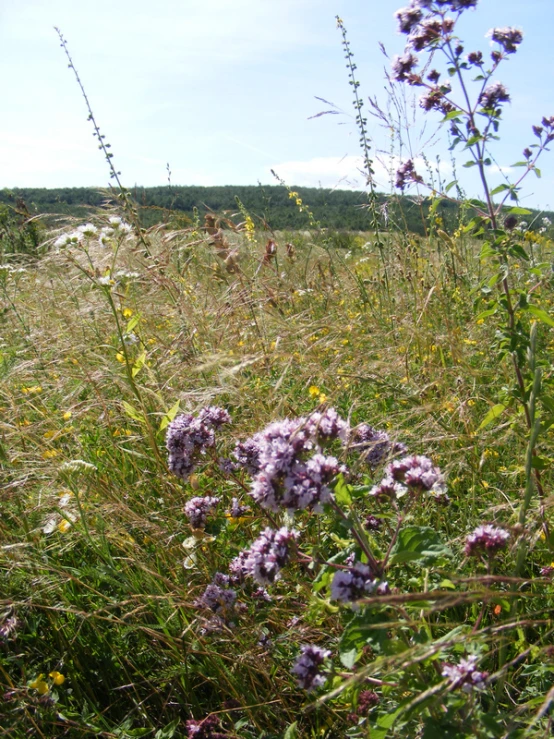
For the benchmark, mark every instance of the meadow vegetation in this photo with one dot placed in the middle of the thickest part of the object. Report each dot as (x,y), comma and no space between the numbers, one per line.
(256,484)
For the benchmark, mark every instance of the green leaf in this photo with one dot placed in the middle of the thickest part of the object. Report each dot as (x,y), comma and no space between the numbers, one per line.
(496,411)
(139,364)
(418,542)
(168,731)
(342,492)
(349,658)
(541,314)
(486,313)
(517,211)
(500,188)
(537,171)
(169,416)
(469,164)
(292,731)
(450,186)
(131,324)
(453,114)
(133,413)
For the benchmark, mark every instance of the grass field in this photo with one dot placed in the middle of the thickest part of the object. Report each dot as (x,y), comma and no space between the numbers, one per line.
(105,629)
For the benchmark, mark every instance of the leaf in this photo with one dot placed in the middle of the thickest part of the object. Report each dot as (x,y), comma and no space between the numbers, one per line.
(537,171)
(500,188)
(167,732)
(517,211)
(471,163)
(131,324)
(418,542)
(133,413)
(453,114)
(342,492)
(169,416)
(139,364)
(496,411)
(541,314)
(349,658)
(486,314)
(292,731)
(450,186)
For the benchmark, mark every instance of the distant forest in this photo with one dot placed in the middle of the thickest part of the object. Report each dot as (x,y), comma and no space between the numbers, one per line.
(270,207)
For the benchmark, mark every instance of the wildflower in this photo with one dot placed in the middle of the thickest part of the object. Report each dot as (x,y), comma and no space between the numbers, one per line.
(307,667)
(406,173)
(57,677)
(402,66)
(435,99)
(197,510)
(205,729)
(284,475)
(487,538)
(510,222)
(40,685)
(8,628)
(353,583)
(464,675)
(374,445)
(492,95)
(413,475)
(475,57)
(266,556)
(409,17)
(237,510)
(372,523)
(509,38)
(366,701)
(218,596)
(188,437)
(429,32)
(87,229)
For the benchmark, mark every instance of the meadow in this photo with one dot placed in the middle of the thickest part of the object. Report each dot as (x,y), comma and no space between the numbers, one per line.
(283,485)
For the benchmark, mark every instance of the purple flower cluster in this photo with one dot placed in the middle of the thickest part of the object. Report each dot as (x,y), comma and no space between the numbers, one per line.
(8,628)
(266,556)
(307,667)
(374,445)
(237,510)
(487,538)
(189,436)
(197,510)
(435,99)
(403,66)
(508,38)
(492,95)
(416,475)
(205,729)
(285,476)
(464,675)
(353,583)
(218,596)
(406,173)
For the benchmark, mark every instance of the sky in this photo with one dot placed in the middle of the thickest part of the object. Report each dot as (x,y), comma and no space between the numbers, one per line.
(223,91)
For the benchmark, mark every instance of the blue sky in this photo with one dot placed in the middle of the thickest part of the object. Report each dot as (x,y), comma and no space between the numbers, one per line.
(224,90)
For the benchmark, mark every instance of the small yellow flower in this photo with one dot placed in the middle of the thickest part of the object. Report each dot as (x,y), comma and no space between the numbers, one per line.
(313,390)
(39,684)
(57,677)
(119,356)
(50,454)
(127,312)
(64,526)
(66,416)
(322,397)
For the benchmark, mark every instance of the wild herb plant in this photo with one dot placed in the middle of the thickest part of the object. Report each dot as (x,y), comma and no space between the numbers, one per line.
(336,540)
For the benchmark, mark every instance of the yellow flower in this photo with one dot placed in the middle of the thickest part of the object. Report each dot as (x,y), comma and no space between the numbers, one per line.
(40,684)
(313,390)
(57,677)
(127,312)
(119,356)
(66,416)
(64,526)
